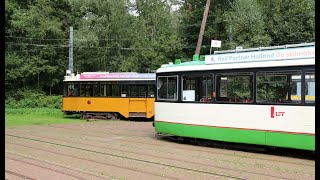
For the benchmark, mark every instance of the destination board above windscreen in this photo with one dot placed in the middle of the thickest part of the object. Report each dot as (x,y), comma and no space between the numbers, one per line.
(262,55)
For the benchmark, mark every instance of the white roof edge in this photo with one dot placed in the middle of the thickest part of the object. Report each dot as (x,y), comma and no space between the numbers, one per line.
(111,73)
(298,62)
(109,80)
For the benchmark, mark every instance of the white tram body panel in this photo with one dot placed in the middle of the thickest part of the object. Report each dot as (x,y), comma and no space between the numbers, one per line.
(288,119)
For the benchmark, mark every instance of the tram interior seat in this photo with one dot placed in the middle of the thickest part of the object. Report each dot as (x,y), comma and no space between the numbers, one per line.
(281,100)
(234,100)
(222,99)
(227,99)
(205,99)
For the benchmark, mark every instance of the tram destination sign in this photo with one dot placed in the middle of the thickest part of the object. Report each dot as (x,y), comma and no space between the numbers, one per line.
(118,76)
(265,55)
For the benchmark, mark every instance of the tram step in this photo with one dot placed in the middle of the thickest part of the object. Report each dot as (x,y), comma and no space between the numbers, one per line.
(137,114)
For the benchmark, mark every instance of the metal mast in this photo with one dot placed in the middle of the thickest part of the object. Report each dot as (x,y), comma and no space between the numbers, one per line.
(71,50)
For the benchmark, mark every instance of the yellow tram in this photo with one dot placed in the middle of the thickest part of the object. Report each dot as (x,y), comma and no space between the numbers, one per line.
(105,95)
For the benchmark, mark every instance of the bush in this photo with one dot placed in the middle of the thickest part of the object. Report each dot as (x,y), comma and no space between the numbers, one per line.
(33,99)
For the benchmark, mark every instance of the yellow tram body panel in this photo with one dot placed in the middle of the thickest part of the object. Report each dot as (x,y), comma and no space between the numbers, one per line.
(127,107)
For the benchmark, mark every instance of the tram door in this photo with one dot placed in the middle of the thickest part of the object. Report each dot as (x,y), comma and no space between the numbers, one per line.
(138,100)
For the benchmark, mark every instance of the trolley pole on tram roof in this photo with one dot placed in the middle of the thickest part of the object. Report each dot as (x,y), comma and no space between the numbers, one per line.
(70,67)
(203,25)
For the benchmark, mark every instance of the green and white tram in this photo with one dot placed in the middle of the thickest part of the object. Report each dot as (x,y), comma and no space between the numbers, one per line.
(263,96)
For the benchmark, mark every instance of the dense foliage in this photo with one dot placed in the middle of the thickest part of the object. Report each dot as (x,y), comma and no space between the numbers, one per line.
(140,35)
(32,99)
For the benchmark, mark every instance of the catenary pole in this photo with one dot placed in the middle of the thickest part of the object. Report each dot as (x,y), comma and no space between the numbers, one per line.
(71,50)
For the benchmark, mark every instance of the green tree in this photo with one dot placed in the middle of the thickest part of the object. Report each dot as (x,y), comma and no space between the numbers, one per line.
(154,35)
(247,25)
(36,41)
(290,21)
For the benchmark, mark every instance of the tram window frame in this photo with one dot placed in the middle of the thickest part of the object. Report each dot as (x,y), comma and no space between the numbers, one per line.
(288,84)
(174,96)
(192,89)
(307,85)
(234,98)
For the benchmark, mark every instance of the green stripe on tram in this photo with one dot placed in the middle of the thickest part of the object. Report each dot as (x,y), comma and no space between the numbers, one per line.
(298,141)
(277,139)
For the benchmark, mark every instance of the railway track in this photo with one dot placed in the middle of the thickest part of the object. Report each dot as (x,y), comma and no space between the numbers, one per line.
(18,175)
(155,150)
(50,169)
(123,157)
(179,144)
(176,159)
(142,160)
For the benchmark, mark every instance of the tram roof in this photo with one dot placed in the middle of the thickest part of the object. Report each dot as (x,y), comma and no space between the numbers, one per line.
(288,55)
(107,76)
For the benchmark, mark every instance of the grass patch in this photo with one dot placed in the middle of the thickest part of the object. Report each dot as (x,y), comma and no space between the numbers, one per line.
(38,116)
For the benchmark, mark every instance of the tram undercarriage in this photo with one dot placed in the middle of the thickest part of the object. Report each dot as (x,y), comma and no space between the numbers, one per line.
(97,115)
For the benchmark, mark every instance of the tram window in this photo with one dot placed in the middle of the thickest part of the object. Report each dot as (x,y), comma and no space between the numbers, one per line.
(150,90)
(279,87)
(234,87)
(197,87)
(167,88)
(72,89)
(142,91)
(138,90)
(103,89)
(82,89)
(95,90)
(309,87)
(124,90)
(116,90)
(65,89)
(134,91)
(88,90)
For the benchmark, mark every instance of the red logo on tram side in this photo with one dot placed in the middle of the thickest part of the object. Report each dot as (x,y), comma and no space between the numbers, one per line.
(278,113)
